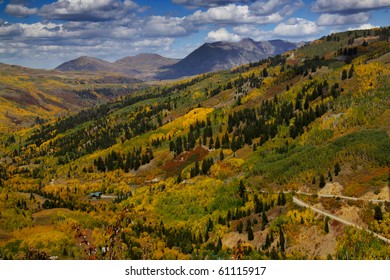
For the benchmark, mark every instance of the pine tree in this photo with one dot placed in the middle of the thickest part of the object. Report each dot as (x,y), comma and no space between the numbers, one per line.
(326,226)
(344,75)
(217,143)
(337,169)
(250,234)
(171,146)
(219,245)
(211,143)
(350,72)
(378,213)
(264,219)
(267,242)
(221,155)
(240,227)
(322,181)
(179,179)
(258,205)
(265,73)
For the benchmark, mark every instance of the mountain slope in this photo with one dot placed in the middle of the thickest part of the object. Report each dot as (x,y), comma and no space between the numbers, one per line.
(85,63)
(142,66)
(207,58)
(208,167)
(225,55)
(30,96)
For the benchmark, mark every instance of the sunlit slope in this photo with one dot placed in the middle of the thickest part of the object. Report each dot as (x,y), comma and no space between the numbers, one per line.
(211,167)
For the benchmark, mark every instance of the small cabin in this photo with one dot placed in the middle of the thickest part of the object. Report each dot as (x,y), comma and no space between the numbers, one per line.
(95,195)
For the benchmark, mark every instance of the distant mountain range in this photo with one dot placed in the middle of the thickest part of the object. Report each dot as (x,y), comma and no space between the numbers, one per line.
(207,58)
(143,66)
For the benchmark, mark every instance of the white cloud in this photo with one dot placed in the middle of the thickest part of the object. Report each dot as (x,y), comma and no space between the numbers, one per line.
(8,31)
(337,19)
(79,10)
(283,7)
(232,14)
(251,31)
(87,10)
(164,26)
(155,43)
(221,35)
(207,3)
(18,10)
(297,27)
(348,5)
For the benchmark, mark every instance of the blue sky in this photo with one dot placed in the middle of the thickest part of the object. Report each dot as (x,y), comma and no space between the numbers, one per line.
(43,34)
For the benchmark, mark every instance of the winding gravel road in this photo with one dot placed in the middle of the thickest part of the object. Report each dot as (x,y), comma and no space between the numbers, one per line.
(303,204)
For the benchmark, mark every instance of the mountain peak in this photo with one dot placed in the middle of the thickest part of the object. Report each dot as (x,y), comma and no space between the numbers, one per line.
(209,57)
(247,40)
(224,55)
(85,63)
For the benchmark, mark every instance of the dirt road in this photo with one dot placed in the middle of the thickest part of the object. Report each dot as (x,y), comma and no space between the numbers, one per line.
(303,204)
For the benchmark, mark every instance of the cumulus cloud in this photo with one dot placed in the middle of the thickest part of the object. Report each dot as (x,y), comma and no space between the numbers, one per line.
(9,31)
(338,19)
(232,14)
(159,42)
(18,10)
(283,7)
(87,10)
(297,27)
(207,3)
(221,35)
(335,6)
(165,26)
(250,31)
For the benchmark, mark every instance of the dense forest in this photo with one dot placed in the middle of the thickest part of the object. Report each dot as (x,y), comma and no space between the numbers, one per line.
(234,164)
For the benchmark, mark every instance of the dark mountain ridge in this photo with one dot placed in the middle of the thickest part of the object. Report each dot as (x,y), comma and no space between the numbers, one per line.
(207,58)
(225,55)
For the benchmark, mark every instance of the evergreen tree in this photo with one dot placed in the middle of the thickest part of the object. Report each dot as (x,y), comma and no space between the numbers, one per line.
(179,179)
(344,75)
(240,227)
(322,181)
(219,245)
(258,205)
(250,234)
(217,143)
(378,213)
(171,146)
(350,72)
(211,143)
(264,219)
(326,226)
(267,242)
(337,169)
(221,155)
(100,165)
(265,73)
(196,168)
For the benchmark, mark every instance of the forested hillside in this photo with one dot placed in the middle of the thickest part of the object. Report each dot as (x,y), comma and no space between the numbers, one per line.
(29,97)
(224,165)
